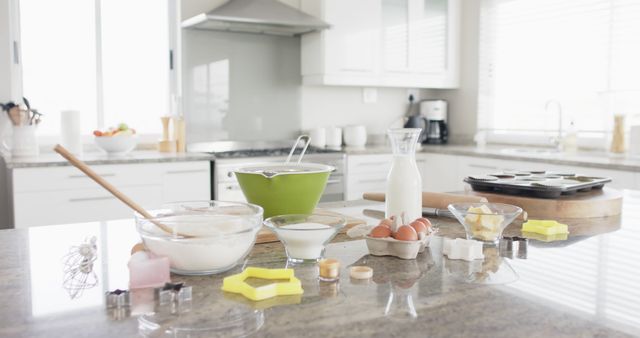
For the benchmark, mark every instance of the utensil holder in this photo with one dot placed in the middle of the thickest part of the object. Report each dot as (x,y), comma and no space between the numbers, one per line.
(24,141)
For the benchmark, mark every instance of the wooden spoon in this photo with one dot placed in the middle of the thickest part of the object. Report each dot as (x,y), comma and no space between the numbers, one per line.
(110,188)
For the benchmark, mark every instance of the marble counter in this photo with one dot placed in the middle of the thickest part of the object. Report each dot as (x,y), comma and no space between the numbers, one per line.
(585,286)
(98,158)
(581,159)
(591,159)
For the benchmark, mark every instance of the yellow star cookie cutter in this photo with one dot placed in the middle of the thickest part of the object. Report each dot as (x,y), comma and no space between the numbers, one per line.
(237,283)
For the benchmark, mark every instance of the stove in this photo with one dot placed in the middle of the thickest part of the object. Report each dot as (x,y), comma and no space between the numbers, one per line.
(232,154)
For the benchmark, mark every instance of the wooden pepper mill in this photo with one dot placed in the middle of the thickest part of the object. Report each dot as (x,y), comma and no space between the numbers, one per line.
(179,133)
(166,144)
(617,142)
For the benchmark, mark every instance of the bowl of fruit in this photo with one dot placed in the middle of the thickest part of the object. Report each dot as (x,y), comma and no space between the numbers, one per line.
(116,140)
(406,241)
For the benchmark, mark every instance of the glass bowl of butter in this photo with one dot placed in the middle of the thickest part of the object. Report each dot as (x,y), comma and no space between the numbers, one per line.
(484,221)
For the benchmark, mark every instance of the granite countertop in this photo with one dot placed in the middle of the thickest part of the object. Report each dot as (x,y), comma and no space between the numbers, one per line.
(97,158)
(592,159)
(585,159)
(585,286)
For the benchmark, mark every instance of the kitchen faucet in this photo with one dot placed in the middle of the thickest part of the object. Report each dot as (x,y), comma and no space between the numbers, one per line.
(556,141)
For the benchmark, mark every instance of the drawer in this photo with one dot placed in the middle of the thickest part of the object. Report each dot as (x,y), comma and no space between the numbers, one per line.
(70,178)
(188,181)
(369,182)
(357,164)
(335,185)
(229,192)
(74,206)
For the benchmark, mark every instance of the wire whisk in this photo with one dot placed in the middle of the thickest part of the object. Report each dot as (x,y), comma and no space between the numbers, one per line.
(78,268)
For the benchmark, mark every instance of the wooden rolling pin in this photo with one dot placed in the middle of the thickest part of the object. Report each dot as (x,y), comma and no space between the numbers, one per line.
(432,199)
(439,200)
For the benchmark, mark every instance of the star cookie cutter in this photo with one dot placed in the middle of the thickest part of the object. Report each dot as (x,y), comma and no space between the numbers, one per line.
(237,283)
(173,293)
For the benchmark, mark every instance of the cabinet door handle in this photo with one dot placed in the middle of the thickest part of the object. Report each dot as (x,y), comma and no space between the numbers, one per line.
(373,180)
(85,176)
(232,187)
(372,163)
(187,171)
(230,174)
(333,181)
(88,199)
(479,166)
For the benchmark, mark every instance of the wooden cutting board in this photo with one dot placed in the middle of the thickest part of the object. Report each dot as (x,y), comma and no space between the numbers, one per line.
(266,236)
(594,203)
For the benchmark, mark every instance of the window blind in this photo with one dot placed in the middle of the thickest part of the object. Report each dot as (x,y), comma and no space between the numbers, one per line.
(583,53)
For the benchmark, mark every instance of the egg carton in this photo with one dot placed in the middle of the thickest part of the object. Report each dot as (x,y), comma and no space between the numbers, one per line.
(389,246)
(544,184)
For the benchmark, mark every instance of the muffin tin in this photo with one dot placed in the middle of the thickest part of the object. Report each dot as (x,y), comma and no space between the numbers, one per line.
(544,184)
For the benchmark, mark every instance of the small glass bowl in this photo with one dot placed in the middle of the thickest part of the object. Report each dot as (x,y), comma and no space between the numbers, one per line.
(208,236)
(305,236)
(485,226)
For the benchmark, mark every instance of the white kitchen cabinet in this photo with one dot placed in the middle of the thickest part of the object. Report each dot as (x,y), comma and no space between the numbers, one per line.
(439,172)
(186,181)
(366,173)
(383,43)
(82,205)
(55,195)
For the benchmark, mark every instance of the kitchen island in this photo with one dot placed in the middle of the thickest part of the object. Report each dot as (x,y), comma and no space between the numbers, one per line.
(584,286)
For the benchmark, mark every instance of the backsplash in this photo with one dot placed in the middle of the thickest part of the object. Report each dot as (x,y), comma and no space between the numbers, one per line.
(240,86)
(248,87)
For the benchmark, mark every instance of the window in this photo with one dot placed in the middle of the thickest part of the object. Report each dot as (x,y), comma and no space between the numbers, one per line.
(582,53)
(107,59)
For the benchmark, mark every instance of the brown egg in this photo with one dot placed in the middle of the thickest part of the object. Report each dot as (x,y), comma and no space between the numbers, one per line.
(419,227)
(386,222)
(380,231)
(406,233)
(426,222)
(137,247)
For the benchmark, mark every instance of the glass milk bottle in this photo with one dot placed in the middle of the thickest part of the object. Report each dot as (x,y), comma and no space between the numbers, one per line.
(404,185)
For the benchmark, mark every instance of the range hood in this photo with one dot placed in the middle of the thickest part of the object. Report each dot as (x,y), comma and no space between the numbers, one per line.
(256,16)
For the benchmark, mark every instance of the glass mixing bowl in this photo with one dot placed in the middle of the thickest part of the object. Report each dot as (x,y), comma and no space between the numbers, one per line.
(207,237)
(484,221)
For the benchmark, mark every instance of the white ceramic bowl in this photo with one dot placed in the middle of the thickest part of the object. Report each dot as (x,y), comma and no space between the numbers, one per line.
(355,136)
(220,234)
(118,144)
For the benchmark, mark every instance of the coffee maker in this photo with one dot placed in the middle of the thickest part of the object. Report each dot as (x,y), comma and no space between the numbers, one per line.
(435,111)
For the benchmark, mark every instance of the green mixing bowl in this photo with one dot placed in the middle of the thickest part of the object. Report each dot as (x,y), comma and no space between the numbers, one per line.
(280,189)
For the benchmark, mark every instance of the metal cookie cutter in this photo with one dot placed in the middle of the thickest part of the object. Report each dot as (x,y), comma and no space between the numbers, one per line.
(117,299)
(118,304)
(176,295)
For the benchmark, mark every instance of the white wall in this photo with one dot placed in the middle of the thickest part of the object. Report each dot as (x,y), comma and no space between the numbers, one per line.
(463,102)
(5,52)
(5,96)
(328,106)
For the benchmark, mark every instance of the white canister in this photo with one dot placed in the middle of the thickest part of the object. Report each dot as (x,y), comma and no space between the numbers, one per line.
(71,131)
(24,142)
(318,137)
(634,140)
(355,136)
(334,137)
